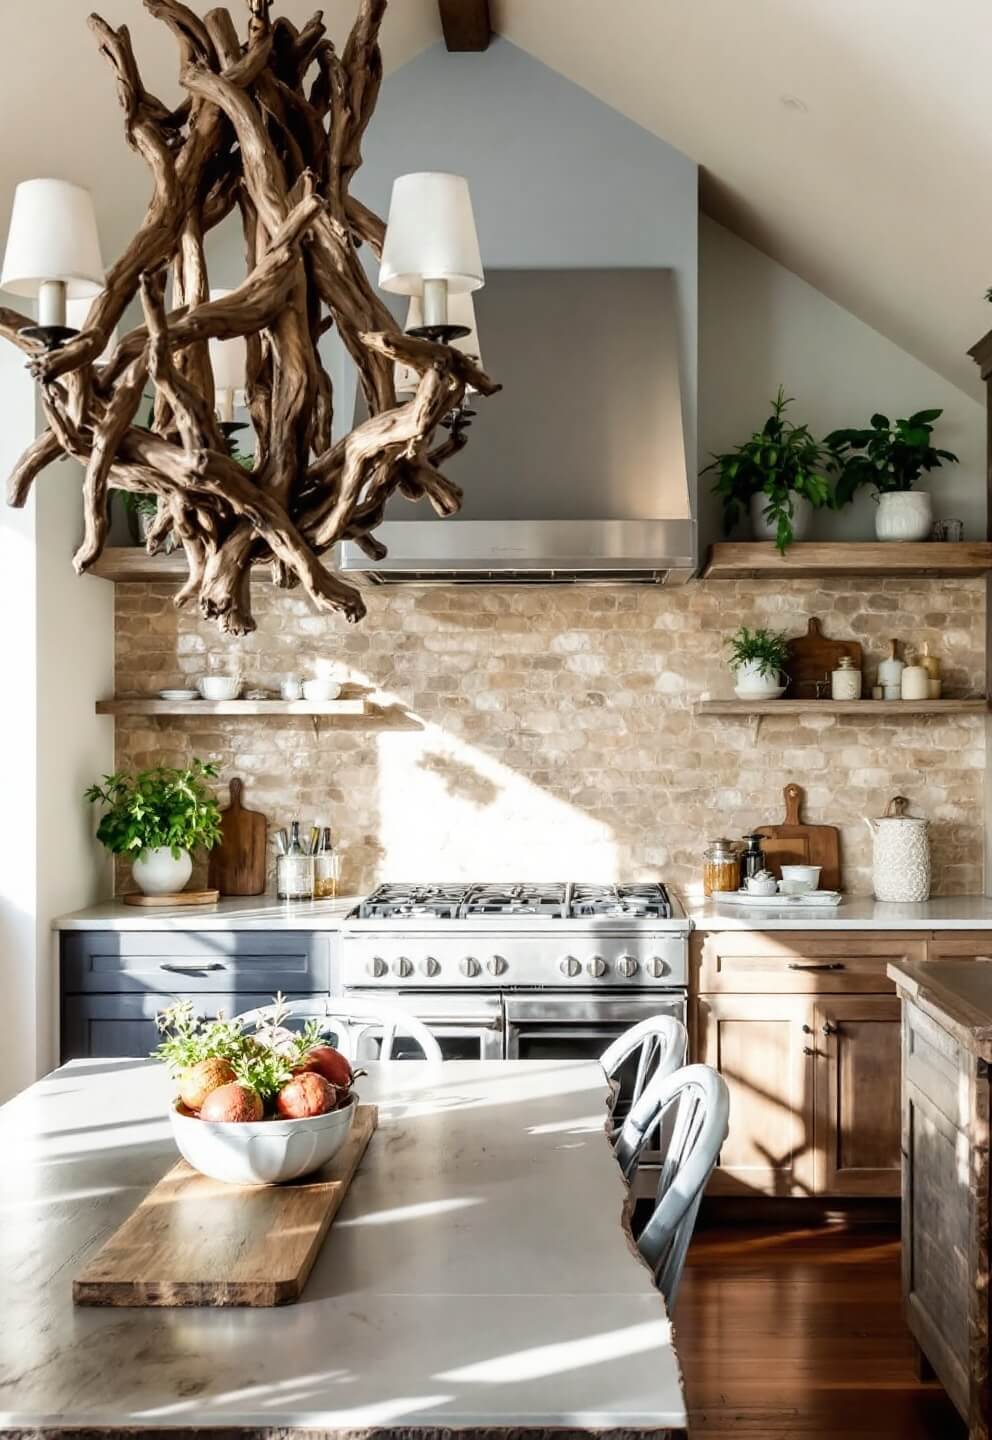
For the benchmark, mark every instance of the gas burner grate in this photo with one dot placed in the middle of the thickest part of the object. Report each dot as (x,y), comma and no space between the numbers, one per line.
(389,902)
(546,900)
(649,900)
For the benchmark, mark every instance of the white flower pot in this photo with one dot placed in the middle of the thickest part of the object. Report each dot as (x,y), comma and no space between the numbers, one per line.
(762,529)
(904,515)
(157,872)
(749,681)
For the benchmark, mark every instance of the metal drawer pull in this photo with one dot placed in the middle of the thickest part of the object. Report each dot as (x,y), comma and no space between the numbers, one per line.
(816,965)
(192,965)
(808,1050)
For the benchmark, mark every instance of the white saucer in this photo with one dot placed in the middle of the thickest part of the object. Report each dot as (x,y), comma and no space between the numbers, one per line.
(179,694)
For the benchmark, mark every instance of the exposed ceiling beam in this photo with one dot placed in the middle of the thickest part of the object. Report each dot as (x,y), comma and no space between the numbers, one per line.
(465,23)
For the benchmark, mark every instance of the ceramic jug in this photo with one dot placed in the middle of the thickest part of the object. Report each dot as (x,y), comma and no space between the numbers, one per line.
(901,868)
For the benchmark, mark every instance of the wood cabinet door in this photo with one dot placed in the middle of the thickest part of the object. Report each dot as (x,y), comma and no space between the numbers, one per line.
(960,945)
(759,1043)
(800,961)
(858,1118)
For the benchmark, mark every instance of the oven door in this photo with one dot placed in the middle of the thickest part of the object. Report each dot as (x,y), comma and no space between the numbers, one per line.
(578,1026)
(467,1027)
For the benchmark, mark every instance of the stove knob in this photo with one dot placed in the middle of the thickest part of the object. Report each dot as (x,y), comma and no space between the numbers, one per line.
(497,965)
(402,967)
(430,966)
(656,967)
(469,966)
(597,967)
(627,966)
(377,967)
(570,967)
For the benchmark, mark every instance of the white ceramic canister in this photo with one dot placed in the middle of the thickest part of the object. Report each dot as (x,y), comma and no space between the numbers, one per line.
(901,864)
(890,674)
(845,681)
(915,683)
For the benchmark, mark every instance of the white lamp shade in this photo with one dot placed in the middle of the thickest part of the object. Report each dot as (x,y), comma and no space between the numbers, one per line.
(461,311)
(52,236)
(228,358)
(430,235)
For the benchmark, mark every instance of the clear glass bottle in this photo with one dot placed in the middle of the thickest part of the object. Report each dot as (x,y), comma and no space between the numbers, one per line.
(294,870)
(326,867)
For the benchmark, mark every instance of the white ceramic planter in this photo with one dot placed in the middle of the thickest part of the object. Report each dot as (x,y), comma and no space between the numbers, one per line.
(904,515)
(262,1152)
(762,529)
(157,872)
(748,680)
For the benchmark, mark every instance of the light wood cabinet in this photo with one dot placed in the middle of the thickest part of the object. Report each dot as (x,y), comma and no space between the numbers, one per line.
(856,1095)
(754,962)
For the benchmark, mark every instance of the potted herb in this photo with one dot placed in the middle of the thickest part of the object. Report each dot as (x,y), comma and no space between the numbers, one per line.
(156,818)
(777,474)
(757,658)
(890,456)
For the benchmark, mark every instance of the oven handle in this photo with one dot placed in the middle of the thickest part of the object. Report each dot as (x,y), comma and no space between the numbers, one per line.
(461,1022)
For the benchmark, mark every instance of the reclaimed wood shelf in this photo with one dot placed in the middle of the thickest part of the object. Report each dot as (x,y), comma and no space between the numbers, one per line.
(140,706)
(815,560)
(746,708)
(132,562)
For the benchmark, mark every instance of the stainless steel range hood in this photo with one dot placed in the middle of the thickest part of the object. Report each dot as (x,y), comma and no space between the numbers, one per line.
(576,472)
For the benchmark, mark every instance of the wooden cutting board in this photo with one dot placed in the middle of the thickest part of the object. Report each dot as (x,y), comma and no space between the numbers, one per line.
(237,864)
(797,844)
(812,657)
(195,1241)
(178,897)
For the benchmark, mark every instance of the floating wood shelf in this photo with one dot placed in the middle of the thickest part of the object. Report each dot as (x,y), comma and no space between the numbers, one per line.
(132,562)
(744,709)
(813,560)
(233,707)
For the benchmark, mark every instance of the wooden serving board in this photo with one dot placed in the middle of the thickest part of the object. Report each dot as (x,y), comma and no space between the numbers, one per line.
(179,897)
(812,657)
(195,1241)
(237,864)
(794,843)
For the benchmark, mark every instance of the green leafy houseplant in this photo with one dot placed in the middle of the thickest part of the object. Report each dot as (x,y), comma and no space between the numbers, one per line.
(889,456)
(765,650)
(781,461)
(161,807)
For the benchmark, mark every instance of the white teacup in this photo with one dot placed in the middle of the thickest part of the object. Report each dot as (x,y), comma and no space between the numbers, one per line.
(800,879)
(322,688)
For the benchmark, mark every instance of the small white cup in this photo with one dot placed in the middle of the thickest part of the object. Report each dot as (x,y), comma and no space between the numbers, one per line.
(760,887)
(322,688)
(800,879)
(290,689)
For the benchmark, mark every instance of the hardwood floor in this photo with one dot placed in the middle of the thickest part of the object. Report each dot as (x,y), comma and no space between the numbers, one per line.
(795,1333)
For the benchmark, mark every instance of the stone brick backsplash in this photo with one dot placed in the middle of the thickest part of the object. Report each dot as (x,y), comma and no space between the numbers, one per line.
(549,733)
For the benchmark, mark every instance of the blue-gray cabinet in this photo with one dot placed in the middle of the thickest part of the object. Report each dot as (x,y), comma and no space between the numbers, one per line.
(114,982)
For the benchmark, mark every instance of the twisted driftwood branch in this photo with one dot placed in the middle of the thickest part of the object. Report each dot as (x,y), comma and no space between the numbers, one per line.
(273,126)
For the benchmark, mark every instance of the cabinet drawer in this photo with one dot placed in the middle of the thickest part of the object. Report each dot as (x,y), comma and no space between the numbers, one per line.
(747,962)
(216,962)
(104,1026)
(961,945)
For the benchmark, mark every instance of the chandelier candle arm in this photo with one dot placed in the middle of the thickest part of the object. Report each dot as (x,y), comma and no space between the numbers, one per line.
(270,131)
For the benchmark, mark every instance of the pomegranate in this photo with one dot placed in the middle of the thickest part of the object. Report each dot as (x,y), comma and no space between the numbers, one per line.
(196,1083)
(325,1060)
(234,1104)
(306,1094)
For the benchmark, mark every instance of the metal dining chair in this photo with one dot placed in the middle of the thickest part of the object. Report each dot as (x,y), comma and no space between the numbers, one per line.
(659,1044)
(355,1024)
(691,1110)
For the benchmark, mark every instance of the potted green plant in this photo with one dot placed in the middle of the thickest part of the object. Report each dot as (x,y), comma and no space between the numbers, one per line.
(890,456)
(777,474)
(156,818)
(757,659)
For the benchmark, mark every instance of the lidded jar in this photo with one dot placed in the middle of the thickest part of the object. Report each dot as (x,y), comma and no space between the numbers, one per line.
(901,859)
(845,681)
(721,867)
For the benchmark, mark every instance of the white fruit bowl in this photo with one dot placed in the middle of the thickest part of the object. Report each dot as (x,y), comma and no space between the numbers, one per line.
(262,1152)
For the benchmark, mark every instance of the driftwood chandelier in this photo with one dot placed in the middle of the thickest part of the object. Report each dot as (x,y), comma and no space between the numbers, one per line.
(270,129)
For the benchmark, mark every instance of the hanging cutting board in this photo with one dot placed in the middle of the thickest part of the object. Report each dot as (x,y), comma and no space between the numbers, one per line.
(196,1241)
(237,864)
(812,657)
(794,843)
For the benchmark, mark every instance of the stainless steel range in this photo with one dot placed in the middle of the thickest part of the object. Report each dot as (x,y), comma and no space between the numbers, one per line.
(521,971)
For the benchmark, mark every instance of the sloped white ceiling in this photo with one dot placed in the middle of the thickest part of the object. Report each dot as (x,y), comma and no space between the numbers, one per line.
(878,192)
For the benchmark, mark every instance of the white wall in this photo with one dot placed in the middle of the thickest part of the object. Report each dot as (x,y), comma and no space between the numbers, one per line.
(760,325)
(56,650)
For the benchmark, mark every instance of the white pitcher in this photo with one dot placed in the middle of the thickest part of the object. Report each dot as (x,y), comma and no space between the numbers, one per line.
(901,868)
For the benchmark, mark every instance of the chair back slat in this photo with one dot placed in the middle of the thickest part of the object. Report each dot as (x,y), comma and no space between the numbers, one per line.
(660,1044)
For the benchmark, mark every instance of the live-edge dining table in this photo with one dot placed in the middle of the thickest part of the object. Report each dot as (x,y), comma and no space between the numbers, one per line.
(479,1278)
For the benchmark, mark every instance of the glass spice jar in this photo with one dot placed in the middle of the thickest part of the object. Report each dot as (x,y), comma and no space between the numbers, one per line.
(721,867)
(326,868)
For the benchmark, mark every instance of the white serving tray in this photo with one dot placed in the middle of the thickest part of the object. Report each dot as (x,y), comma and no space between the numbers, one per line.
(817,899)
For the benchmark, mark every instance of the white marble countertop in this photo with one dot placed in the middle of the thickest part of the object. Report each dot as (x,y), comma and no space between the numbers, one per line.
(265,912)
(250,912)
(950,912)
(478,1274)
